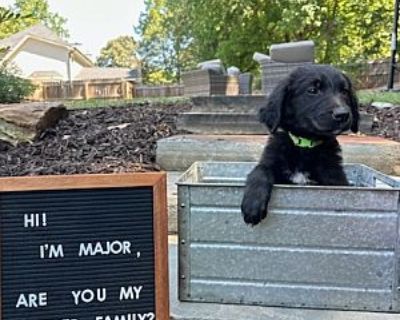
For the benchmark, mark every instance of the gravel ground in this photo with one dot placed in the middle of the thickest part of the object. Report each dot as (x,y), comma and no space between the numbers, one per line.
(386,121)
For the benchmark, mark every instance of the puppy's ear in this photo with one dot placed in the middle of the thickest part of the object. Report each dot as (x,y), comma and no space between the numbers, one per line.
(271,113)
(353,106)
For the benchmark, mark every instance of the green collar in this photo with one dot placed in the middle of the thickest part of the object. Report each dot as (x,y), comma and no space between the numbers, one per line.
(304,142)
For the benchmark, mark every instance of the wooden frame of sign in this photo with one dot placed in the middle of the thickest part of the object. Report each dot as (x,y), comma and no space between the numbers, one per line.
(156,181)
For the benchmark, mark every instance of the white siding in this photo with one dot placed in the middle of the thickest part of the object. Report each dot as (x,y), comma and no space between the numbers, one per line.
(75,69)
(39,56)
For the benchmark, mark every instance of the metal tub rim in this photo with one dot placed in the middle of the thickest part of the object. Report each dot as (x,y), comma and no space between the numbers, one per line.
(394,185)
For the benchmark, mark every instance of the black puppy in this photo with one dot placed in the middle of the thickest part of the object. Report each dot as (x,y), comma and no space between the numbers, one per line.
(310,107)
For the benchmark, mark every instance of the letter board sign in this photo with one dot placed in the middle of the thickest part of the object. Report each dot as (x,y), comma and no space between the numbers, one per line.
(84,247)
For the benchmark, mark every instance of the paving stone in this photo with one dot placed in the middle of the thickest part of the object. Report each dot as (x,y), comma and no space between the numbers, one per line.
(178,152)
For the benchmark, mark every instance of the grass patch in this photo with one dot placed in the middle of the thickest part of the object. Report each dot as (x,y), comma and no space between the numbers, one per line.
(365,97)
(368,96)
(102,103)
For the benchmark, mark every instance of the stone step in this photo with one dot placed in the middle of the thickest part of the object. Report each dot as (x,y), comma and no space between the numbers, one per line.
(220,123)
(223,115)
(240,104)
(235,123)
(233,115)
(178,152)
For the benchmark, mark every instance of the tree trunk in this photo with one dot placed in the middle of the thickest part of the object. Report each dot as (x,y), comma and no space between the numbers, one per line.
(23,122)
(330,32)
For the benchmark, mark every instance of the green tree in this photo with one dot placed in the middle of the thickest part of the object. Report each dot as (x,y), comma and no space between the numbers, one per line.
(119,52)
(8,15)
(164,47)
(232,30)
(12,88)
(30,12)
(343,30)
(368,27)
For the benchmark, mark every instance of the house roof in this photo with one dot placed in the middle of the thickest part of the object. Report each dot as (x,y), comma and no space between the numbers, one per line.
(45,75)
(38,32)
(97,73)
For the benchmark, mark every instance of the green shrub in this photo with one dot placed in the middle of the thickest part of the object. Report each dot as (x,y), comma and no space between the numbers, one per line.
(13,88)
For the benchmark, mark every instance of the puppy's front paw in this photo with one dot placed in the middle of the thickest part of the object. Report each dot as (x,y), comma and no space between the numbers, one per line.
(254,205)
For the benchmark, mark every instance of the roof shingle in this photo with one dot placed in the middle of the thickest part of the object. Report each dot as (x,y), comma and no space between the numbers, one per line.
(107,73)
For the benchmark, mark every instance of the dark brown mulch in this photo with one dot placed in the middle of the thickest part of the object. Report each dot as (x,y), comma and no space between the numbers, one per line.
(386,121)
(103,140)
(121,139)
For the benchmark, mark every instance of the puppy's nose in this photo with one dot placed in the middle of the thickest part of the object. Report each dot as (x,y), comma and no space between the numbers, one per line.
(341,114)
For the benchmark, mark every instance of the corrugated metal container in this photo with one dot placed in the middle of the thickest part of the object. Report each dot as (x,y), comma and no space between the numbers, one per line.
(319,247)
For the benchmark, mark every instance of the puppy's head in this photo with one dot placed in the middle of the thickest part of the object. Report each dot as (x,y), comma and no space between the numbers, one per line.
(313,101)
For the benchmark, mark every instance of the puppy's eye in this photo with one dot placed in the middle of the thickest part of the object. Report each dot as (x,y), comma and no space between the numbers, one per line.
(313,90)
(345,91)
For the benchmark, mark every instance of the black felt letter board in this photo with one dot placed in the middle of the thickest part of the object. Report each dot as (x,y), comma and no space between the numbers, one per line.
(77,254)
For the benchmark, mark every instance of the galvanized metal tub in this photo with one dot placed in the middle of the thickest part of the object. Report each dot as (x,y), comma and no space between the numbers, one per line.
(319,247)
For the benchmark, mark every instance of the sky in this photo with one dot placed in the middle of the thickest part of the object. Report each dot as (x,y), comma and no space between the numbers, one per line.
(94,22)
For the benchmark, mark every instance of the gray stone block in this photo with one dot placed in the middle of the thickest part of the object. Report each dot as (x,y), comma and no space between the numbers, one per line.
(234,115)
(177,153)
(172,177)
(301,51)
(223,115)
(239,104)
(382,105)
(220,123)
